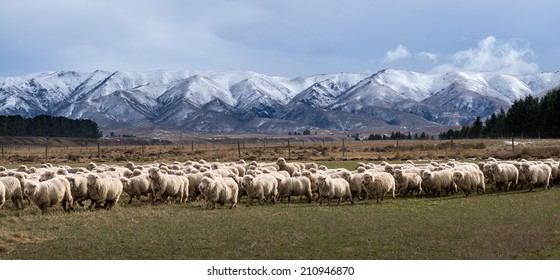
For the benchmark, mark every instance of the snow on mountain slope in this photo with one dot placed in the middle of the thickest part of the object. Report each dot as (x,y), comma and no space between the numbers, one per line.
(413,85)
(246,101)
(198,90)
(368,92)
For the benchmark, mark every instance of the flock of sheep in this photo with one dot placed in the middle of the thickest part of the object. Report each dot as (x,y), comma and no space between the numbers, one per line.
(221,183)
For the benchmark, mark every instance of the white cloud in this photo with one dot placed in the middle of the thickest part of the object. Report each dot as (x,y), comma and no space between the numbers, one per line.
(399,52)
(428,55)
(492,55)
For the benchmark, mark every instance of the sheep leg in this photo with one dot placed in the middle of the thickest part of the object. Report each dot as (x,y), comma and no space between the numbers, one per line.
(44,208)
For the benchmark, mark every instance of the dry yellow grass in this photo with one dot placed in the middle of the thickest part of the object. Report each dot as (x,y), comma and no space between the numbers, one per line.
(297,149)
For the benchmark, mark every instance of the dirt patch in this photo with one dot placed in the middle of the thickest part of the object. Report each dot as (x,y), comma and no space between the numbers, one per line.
(8,240)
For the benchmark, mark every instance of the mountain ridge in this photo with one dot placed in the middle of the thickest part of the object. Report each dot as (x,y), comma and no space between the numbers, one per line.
(243,101)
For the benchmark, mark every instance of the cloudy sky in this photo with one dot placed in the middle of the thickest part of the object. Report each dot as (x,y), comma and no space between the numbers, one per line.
(284,38)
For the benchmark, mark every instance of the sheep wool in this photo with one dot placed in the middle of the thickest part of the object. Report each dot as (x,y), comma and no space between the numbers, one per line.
(48,193)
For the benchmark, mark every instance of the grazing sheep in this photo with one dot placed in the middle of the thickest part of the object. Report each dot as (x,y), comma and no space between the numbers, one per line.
(91,166)
(62,171)
(194,178)
(165,186)
(290,167)
(23,168)
(13,190)
(309,165)
(467,180)
(333,188)
(130,165)
(219,190)
(289,187)
(48,193)
(406,182)
(313,181)
(2,194)
(355,181)
(78,189)
(436,181)
(504,174)
(47,175)
(555,175)
(103,190)
(136,172)
(538,174)
(136,186)
(488,175)
(379,184)
(260,187)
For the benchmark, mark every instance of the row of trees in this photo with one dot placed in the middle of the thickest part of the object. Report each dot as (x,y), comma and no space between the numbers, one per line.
(530,117)
(48,126)
(401,136)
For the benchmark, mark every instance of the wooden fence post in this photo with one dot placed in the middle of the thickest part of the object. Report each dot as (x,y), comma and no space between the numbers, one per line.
(289,151)
(46,149)
(343,149)
(238,149)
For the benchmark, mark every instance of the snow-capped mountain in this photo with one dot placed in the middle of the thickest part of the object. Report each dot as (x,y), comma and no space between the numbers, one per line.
(239,101)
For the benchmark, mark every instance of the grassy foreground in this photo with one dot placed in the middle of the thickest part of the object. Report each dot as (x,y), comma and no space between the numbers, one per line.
(507,225)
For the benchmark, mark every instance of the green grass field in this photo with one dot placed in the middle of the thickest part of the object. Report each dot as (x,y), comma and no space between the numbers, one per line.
(499,225)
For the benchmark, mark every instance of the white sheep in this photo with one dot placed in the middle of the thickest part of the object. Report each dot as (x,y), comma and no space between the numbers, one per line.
(537,174)
(78,189)
(337,188)
(91,166)
(2,194)
(260,187)
(504,175)
(407,182)
(290,167)
(48,193)
(468,180)
(137,186)
(436,181)
(165,186)
(379,184)
(103,190)
(130,165)
(47,175)
(219,190)
(194,178)
(313,180)
(355,181)
(555,175)
(13,190)
(292,186)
